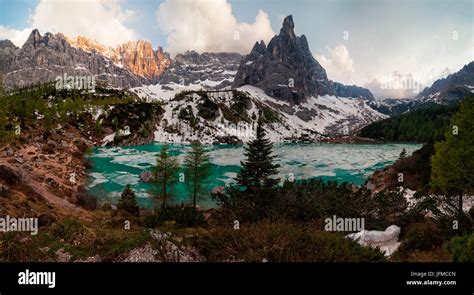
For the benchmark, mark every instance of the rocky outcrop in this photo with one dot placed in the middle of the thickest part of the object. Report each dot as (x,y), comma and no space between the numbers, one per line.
(215,69)
(218,191)
(146,176)
(44,58)
(8,51)
(452,88)
(137,56)
(140,58)
(142,254)
(352,91)
(172,251)
(53,175)
(285,69)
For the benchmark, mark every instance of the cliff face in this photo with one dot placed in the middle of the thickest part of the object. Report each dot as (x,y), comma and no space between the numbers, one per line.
(140,58)
(352,91)
(217,69)
(452,88)
(286,69)
(43,58)
(8,51)
(137,56)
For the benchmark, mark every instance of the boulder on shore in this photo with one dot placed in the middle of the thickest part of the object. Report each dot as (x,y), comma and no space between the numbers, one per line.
(146,176)
(218,190)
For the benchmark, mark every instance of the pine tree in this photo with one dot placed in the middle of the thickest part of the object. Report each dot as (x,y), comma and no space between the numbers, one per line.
(403,154)
(3,110)
(258,171)
(1,84)
(128,201)
(256,196)
(165,174)
(98,127)
(452,171)
(197,170)
(115,123)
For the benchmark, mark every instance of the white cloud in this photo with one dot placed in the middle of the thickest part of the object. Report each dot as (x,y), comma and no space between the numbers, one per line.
(395,85)
(209,26)
(338,64)
(18,37)
(102,20)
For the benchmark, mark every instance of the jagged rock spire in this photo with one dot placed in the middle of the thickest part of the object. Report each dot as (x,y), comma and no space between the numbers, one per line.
(34,38)
(288,28)
(285,68)
(259,47)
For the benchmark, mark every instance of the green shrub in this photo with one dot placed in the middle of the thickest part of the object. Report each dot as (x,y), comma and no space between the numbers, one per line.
(114,247)
(462,248)
(316,199)
(188,216)
(181,215)
(128,201)
(23,247)
(152,221)
(69,230)
(280,242)
(421,237)
(471,213)
(86,200)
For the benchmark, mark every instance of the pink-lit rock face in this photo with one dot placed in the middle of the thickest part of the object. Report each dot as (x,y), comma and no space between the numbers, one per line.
(137,56)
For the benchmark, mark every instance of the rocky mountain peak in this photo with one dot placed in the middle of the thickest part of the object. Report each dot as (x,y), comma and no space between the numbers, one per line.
(451,88)
(34,39)
(7,44)
(288,27)
(207,69)
(144,64)
(285,69)
(142,60)
(44,58)
(91,45)
(259,48)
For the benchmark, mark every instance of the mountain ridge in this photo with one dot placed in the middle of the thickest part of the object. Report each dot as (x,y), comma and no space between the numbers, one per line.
(43,58)
(451,88)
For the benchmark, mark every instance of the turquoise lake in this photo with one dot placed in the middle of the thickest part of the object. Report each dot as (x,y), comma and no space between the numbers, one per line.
(115,167)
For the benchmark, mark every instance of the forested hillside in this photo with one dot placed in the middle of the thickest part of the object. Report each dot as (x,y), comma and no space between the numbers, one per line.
(421,125)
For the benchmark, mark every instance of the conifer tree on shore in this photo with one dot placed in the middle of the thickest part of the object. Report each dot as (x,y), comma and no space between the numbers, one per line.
(165,174)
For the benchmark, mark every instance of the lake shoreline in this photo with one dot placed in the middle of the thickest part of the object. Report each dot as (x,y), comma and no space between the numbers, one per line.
(114,167)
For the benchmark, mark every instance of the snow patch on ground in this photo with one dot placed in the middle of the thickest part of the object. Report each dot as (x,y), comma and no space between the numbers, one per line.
(309,121)
(386,241)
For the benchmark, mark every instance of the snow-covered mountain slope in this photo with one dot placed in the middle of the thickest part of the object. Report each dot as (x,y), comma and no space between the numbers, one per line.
(229,116)
(393,106)
(452,88)
(327,115)
(193,71)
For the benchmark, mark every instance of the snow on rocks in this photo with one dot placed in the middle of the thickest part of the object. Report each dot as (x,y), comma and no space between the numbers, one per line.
(386,241)
(309,121)
(108,138)
(304,122)
(409,196)
(171,252)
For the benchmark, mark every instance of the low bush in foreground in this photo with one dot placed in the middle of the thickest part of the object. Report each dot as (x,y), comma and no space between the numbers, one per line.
(462,248)
(420,237)
(181,215)
(280,242)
